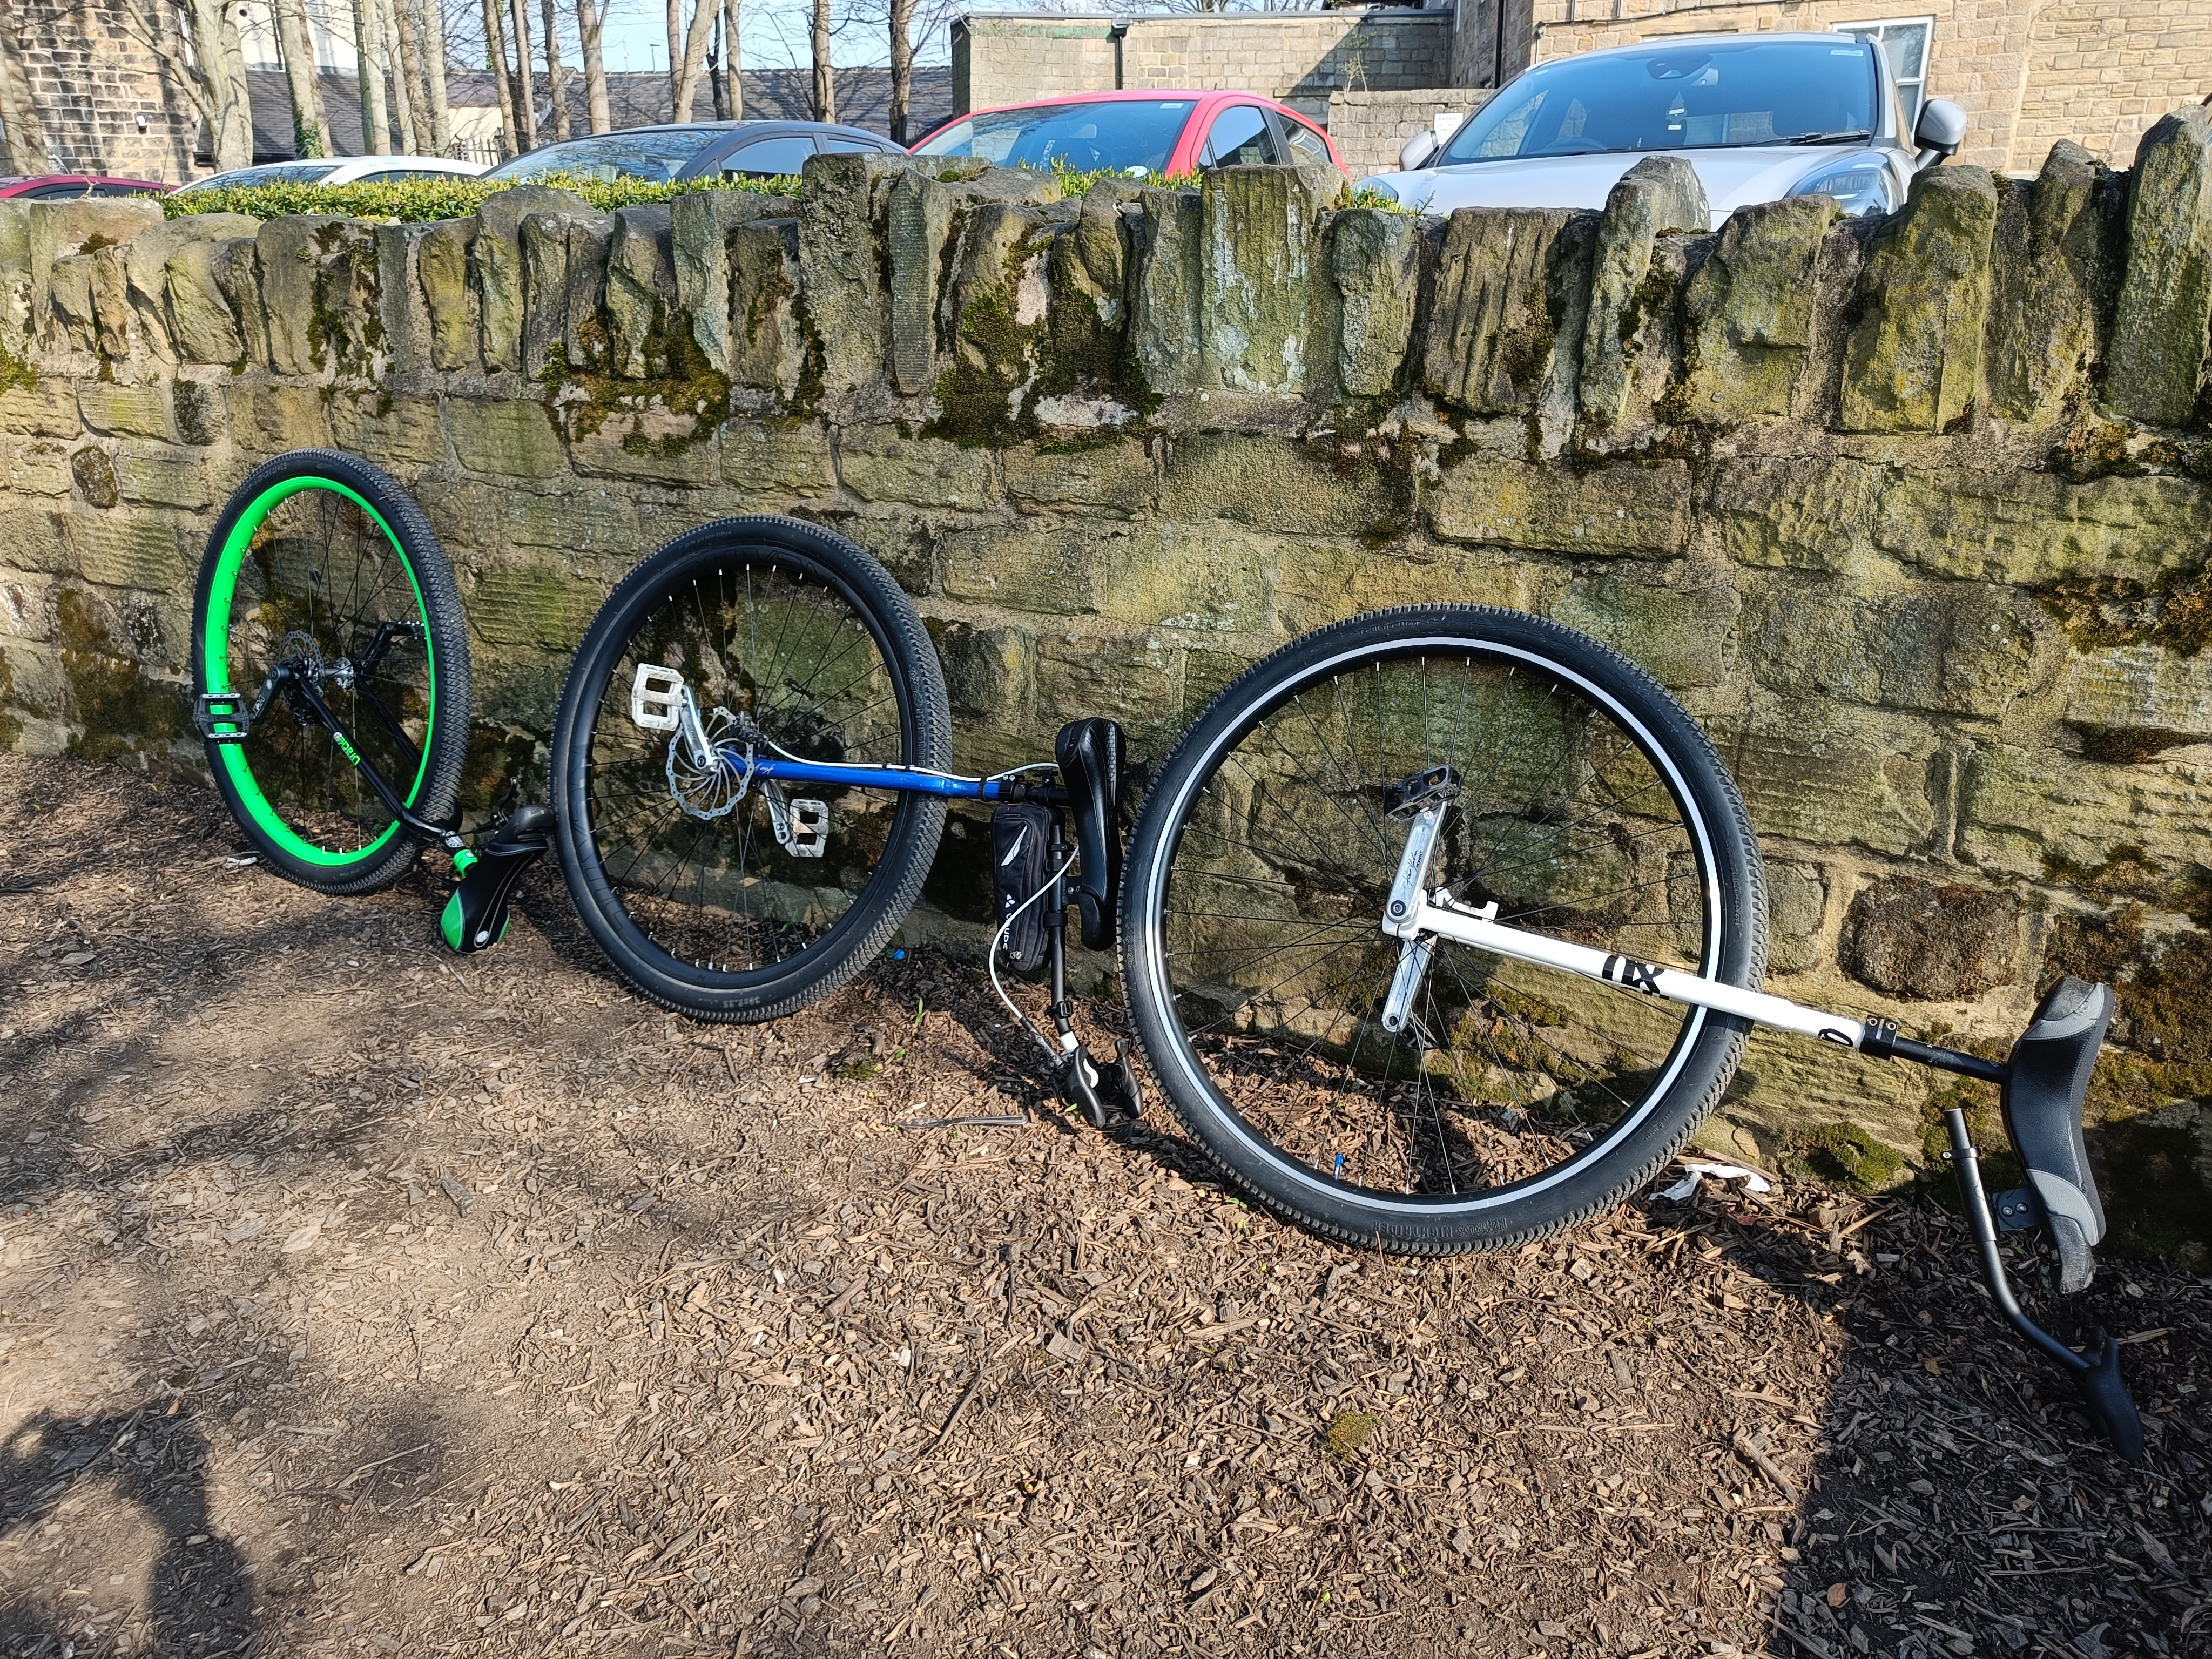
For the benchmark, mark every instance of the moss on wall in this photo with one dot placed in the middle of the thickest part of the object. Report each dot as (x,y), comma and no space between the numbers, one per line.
(118,710)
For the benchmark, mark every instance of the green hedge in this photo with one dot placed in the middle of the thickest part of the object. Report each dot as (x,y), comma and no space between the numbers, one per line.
(437,196)
(448,196)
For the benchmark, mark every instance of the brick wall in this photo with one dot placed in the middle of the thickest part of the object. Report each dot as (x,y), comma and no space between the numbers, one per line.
(1303,57)
(1914,516)
(1370,128)
(1010,60)
(2101,72)
(93,83)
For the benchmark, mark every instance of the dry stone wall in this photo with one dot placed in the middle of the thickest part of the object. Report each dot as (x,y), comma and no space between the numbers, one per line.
(1913,514)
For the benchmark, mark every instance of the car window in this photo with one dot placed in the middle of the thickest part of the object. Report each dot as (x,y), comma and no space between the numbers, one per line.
(1240,139)
(769,158)
(271,173)
(1306,144)
(1711,95)
(1129,134)
(121,190)
(657,156)
(836,144)
(402,175)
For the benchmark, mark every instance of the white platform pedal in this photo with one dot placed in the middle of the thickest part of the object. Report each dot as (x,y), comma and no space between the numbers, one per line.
(809,829)
(656,697)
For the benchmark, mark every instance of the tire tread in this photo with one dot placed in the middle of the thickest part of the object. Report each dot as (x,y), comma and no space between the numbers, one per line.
(1680,729)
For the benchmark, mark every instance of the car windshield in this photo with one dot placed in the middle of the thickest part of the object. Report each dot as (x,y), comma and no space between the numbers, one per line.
(1709,95)
(657,156)
(1126,135)
(273,173)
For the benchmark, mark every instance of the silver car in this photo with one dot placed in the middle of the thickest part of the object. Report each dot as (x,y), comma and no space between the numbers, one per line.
(1760,116)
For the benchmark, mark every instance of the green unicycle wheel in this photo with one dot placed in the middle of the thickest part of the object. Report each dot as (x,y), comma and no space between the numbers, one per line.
(328,645)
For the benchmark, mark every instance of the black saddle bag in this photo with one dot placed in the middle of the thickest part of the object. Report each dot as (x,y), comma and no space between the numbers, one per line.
(1021,864)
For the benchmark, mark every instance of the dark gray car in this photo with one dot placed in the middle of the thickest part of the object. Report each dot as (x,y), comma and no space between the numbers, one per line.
(696,149)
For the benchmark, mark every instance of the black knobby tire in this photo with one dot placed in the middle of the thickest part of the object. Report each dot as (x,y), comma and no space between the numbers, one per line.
(798,632)
(311,553)
(1254,965)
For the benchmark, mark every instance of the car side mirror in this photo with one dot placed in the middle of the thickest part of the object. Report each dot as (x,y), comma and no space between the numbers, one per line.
(1418,151)
(1941,129)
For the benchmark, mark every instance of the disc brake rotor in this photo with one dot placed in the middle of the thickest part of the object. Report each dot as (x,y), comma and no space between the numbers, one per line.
(709,787)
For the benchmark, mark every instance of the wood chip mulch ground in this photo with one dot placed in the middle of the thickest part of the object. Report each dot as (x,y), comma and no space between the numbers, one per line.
(358,1302)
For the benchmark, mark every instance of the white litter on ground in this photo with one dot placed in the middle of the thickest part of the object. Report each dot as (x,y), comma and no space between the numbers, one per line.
(1680,1191)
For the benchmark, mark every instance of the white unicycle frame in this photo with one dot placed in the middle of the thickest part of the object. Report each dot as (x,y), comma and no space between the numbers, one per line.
(1417,916)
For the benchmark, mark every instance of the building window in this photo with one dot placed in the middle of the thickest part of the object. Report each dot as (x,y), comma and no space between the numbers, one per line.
(1904,40)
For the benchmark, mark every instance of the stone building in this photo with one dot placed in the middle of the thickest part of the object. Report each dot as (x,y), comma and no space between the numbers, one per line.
(80,92)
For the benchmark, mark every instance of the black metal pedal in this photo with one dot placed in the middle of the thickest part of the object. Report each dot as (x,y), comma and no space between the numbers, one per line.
(1410,794)
(213,708)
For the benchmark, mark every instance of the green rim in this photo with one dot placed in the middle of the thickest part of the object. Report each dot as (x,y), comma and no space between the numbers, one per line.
(214,652)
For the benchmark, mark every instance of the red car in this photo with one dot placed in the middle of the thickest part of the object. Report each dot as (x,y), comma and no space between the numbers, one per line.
(68,186)
(1143,134)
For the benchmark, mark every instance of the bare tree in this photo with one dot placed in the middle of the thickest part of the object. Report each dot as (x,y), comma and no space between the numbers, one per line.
(525,80)
(406,71)
(825,78)
(907,22)
(902,30)
(368,69)
(510,128)
(590,21)
(434,55)
(28,149)
(556,72)
(310,127)
(733,58)
(687,53)
(209,69)
(714,77)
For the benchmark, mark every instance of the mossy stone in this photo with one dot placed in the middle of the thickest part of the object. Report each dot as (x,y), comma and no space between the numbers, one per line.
(1846,1156)
(2055,274)
(2161,332)
(1501,297)
(441,266)
(1637,508)
(1913,363)
(1659,193)
(1259,245)
(1747,312)
(1374,263)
